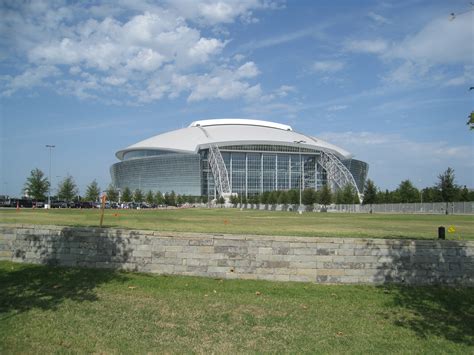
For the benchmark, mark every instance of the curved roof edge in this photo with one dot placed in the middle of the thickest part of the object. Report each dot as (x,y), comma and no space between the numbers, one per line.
(240,121)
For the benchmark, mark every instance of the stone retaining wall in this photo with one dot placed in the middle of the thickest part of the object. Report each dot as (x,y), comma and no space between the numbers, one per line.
(322,260)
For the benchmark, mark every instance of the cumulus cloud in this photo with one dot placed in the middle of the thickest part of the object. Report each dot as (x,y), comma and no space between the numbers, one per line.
(425,55)
(327,66)
(225,84)
(373,46)
(248,70)
(137,49)
(31,77)
(214,12)
(284,90)
(439,42)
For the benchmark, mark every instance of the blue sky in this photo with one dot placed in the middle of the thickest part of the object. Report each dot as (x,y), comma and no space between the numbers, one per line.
(387,80)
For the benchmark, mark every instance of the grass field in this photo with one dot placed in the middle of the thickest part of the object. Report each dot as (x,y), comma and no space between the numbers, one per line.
(59,310)
(234,221)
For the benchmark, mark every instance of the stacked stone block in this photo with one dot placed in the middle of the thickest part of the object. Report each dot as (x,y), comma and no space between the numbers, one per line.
(310,259)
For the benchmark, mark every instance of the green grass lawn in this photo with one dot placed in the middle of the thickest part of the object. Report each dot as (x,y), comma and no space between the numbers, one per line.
(234,221)
(60,310)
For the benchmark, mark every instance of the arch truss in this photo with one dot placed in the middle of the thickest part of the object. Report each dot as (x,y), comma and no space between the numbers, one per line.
(219,170)
(337,173)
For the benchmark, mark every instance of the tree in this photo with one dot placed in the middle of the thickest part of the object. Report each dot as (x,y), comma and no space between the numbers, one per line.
(112,193)
(265,198)
(180,200)
(149,198)
(464,194)
(255,199)
(159,199)
(431,194)
(370,193)
(293,197)
(407,192)
(93,192)
(308,197)
(36,185)
(283,198)
(127,195)
(470,122)
(447,186)
(325,197)
(221,200)
(348,195)
(234,200)
(273,198)
(380,197)
(138,196)
(170,199)
(67,189)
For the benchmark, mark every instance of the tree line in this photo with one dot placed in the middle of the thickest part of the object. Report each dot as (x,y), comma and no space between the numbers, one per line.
(445,190)
(37,187)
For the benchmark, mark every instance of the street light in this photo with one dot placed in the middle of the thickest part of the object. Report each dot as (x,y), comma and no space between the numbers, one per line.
(301,169)
(49,189)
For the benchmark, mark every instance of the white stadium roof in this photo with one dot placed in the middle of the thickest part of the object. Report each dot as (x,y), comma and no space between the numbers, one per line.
(229,131)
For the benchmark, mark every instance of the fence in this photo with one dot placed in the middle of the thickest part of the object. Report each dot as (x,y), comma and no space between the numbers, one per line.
(427,208)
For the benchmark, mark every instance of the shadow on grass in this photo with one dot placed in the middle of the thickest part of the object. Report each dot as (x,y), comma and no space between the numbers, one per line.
(445,312)
(25,286)
(444,306)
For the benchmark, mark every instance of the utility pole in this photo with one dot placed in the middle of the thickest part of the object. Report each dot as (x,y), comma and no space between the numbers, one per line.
(49,189)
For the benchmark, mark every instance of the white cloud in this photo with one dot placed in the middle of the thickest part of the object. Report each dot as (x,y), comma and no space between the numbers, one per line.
(284,90)
(337,108)
(248,70)
(225,84)
(460,80)
(406,73)
(439,42)
(281,39)
(327,66)
(379,19)
(145,60)
(213,12)
(375,46)
(204,48)
(132,48)
(427,56)
(31,77)
(239,57)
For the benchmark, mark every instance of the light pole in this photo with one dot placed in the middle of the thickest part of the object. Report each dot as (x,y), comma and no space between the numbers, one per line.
(301,169)
(421,191)
(421,196)
(50,146)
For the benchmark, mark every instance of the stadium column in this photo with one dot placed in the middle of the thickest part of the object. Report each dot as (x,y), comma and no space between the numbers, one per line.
(276,171)
(246,176)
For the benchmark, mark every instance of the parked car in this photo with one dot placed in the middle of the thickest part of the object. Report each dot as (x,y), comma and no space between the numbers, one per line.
(59,204)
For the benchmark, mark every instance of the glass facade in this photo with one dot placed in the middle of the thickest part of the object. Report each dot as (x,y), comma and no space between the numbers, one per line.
(252,169)
(252,172)
(180,173)
(359,170)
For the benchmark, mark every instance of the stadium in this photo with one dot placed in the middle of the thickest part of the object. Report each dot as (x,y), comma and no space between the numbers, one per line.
(221,157)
